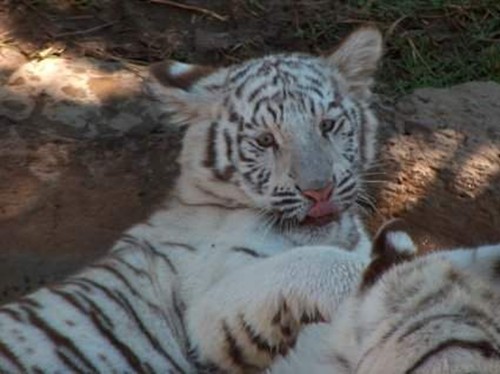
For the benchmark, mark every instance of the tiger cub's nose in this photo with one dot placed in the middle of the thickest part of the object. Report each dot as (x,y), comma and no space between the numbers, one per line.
(319,195)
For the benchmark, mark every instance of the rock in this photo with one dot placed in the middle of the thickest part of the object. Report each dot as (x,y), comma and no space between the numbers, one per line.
(81,98)
(10,60)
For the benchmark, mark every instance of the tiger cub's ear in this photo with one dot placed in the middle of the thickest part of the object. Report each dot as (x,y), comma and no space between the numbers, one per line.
(174,84)
(176,74)
(357,58)
(390,247)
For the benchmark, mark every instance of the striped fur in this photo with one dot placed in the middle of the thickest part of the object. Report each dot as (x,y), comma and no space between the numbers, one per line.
(225,275)
(287,98)
(116,316)
(435,314)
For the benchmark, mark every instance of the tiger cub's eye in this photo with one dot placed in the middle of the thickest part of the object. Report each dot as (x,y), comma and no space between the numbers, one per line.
(266,140)
(327,125)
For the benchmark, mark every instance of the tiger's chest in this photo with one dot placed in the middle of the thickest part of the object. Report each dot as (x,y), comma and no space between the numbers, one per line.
(211,231)
(204,244)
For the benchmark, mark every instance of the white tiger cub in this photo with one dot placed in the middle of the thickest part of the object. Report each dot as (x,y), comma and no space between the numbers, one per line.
(434,314)
(272,163)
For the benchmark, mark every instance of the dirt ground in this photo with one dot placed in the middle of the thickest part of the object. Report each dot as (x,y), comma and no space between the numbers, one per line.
(66,194)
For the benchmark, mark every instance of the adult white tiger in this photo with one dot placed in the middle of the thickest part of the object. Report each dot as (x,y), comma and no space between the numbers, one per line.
(434,314)
(271,164)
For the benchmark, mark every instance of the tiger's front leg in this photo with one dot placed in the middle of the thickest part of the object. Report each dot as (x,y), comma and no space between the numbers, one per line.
(254,314)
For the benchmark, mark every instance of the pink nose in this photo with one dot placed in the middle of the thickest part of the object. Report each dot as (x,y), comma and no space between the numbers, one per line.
(323,194)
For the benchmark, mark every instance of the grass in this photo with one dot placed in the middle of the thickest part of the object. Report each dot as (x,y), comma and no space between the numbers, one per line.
(439,43)
(428,42)
(434,43)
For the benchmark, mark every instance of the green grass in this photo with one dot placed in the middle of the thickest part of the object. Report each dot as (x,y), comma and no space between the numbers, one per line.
(428,42)
(438,43)
(434,43)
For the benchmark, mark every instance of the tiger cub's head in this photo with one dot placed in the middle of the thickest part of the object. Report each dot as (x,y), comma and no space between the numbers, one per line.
(431,314)
(286,134)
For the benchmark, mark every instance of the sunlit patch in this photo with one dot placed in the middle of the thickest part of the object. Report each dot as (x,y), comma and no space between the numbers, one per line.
(49,162)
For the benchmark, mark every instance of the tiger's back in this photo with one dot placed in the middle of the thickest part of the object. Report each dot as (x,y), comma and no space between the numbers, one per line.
(112,317)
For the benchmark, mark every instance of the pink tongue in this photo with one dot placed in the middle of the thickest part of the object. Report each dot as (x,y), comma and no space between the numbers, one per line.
(322,208)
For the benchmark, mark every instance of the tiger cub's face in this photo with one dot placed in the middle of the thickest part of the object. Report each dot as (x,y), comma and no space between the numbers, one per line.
(286,134)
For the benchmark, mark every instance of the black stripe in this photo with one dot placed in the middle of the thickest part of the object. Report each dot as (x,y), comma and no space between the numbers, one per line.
(472,312)
(58,339)
(96,310)
(277,193)
(244,157)
(225,174)
(112,295)
(425,321)
(181,245)
(339,125)
(152,340)
(292,209)
(248,251)
(314,89)
(315,317)
(214,205)
(235,352)
(313,81)
(273,113)
(130,239)
(116,274)
(344,180)
(256,91)
(103,289)
(486,349)
(101,321)
(121,347)
(179,310)
(335,103)
(70,361)
(286,201)
(433,298)
(258,104)
(258,341)
(123,303)
(236,118)
(138,272)
(240,74)
(229,145)
(344,362)
(147,246)
(163,256)
(27,301)
(72,282)
(316,70)
(347,188)
(210,155)
(312,105)
(70,299)
(11,313)
(11,357)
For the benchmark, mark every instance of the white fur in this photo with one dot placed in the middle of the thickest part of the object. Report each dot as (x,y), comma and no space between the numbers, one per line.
(402,241)
(383,330)
(179,68)
(210,258)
